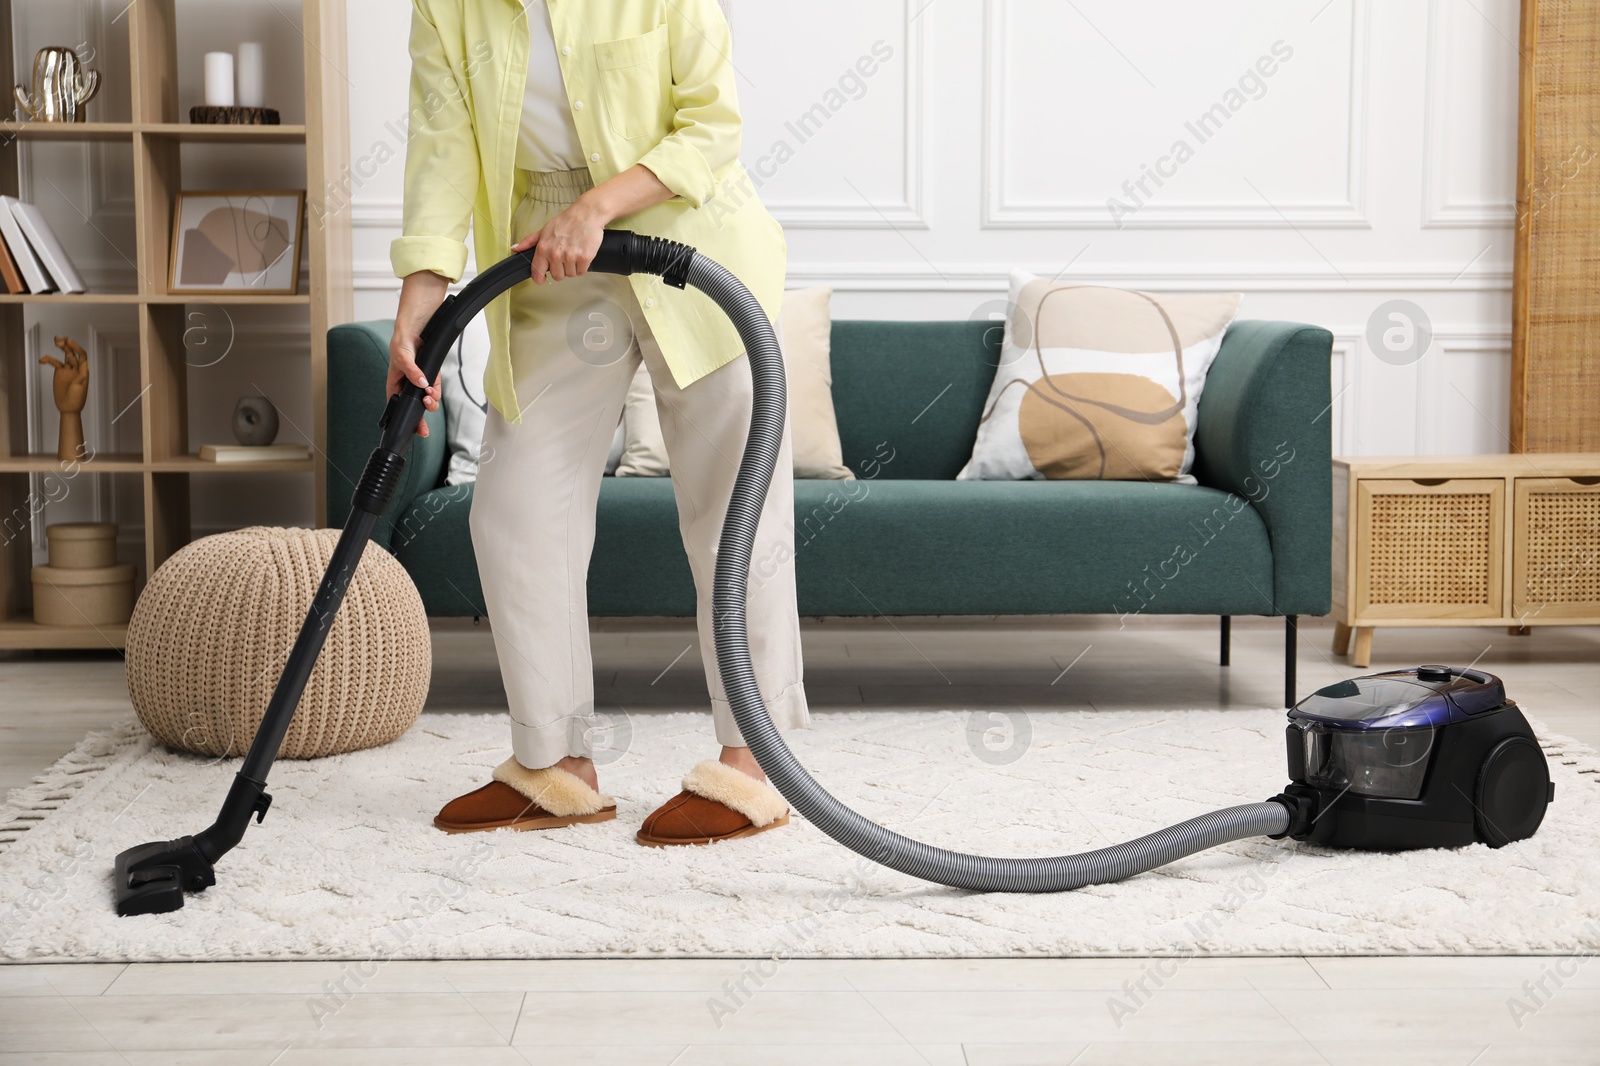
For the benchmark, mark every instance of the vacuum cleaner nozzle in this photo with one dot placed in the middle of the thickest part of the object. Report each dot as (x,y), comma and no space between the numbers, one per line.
(152,878)
(1428,757)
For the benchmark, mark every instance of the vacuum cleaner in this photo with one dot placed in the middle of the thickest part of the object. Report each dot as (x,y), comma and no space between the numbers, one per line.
(1428,757)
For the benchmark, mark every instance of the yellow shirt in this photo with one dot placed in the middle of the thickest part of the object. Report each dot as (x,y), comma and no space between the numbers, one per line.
(649,81)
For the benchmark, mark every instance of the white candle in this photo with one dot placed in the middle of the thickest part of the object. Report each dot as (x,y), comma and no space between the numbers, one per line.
(252,75)
(219,79)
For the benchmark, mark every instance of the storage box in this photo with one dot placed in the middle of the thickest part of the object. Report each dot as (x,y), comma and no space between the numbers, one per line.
(83,596)
(76,545)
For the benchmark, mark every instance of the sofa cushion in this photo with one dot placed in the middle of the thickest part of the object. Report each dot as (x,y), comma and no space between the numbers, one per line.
(432,539)
(1029,547)
(638,566)
(988,547)
(915,389)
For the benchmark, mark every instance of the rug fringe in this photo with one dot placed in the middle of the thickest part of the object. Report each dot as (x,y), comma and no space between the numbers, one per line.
(1567,751)
(97,752)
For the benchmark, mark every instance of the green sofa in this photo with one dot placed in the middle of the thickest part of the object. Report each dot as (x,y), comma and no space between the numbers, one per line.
(1253,538)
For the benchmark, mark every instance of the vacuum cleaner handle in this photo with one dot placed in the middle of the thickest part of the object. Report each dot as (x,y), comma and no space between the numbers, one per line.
(621,252)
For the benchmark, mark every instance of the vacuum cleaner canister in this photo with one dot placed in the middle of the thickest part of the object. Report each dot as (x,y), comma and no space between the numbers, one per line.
(1431,757)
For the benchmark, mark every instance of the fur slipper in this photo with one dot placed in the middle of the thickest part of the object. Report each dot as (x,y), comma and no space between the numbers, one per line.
(519,798)
(717,803)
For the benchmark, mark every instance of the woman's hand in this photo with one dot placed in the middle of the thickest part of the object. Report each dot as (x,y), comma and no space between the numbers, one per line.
(568,243)
(420,296)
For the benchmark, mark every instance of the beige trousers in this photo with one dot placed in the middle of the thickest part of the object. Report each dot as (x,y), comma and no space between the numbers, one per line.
(575,345)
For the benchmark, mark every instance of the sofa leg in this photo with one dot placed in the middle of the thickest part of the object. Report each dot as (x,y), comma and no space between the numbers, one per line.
(1226,639)
(1291,654)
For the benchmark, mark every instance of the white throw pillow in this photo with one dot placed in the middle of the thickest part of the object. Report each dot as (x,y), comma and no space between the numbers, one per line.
(465,407)
(1098,383)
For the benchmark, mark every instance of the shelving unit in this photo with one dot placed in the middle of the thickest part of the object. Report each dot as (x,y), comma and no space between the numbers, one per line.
(155,138)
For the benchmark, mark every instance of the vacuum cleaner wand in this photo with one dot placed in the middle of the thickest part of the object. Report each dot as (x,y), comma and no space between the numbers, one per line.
(152,878)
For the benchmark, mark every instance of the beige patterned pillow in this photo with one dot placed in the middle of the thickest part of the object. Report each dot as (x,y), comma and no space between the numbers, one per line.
(1096,383)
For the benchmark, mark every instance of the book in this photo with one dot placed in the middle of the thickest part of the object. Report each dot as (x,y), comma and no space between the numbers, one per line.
(254,453)
(47,247)
(33,274)
(8,271)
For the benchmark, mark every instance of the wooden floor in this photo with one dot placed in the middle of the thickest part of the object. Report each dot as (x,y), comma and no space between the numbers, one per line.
(1463,1012)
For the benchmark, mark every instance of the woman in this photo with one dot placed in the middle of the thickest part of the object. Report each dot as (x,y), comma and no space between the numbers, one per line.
(541,124)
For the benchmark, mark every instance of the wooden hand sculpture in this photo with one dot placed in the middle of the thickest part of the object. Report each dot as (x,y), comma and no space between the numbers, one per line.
(71,387)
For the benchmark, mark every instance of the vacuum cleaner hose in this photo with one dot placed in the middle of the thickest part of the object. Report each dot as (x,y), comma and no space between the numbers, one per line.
(152,878)
(856,832)
(623,252)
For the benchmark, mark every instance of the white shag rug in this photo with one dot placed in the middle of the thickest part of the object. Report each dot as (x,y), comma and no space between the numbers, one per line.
(348,866)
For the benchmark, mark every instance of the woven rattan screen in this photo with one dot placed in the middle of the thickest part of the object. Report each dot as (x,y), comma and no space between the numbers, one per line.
(1555,377)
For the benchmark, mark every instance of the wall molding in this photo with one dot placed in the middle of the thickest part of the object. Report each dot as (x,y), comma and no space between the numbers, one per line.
(1345,370)
(1439,209)
(35,400)
(1433,380)
(1351,355)
(1000,213)
(1464,339)
(907,212)
(98,193)
(374,275)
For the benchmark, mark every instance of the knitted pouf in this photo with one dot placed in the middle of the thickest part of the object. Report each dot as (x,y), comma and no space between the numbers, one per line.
(213,627)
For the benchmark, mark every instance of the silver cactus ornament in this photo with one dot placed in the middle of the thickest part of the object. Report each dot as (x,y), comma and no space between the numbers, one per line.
(60,87)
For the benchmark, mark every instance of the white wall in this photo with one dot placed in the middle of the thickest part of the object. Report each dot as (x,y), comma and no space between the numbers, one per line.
(1374,164)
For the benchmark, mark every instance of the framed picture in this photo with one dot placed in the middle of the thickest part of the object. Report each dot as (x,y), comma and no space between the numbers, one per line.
(237,242)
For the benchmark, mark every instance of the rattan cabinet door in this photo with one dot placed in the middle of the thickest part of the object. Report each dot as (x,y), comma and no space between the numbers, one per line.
(1555,548)
(1430,549)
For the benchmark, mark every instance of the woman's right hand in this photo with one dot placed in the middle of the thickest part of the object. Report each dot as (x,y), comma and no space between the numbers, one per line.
(420,296)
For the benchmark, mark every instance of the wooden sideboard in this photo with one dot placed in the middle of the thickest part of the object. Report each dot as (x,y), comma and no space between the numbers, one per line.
(1509,540)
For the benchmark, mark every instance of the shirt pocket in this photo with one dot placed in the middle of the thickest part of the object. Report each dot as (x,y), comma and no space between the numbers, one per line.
(636,83)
